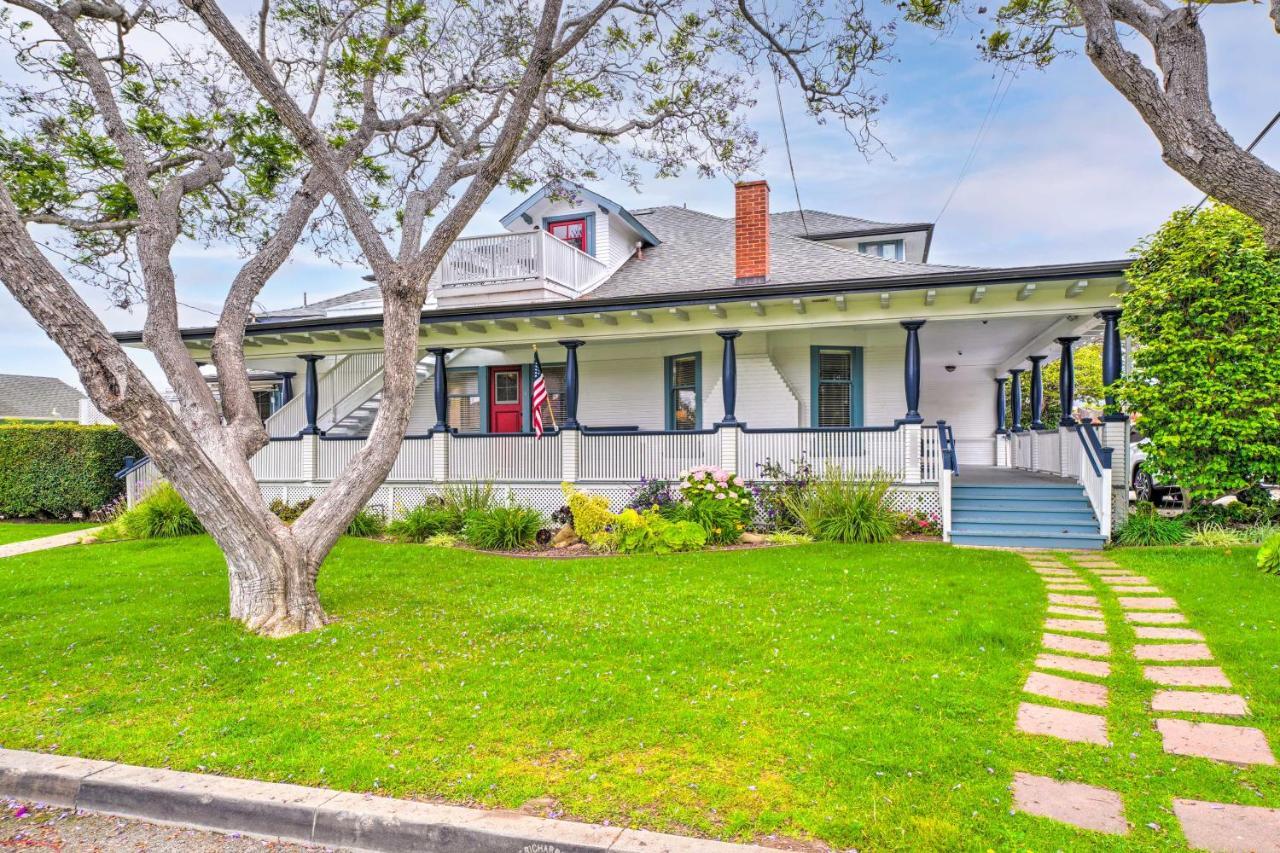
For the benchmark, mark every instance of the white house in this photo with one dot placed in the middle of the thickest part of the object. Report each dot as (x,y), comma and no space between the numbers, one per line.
(671,337)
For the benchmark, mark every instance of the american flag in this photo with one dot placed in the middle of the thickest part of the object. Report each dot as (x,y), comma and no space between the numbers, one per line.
(539,396)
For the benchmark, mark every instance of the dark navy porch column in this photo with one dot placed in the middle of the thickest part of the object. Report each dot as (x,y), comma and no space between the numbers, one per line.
(441,386)
(1037,392)
(1015,396)
(286,386)
(312,390)
(1111,358)
(1067,381)
(570,384)
(729,376)
(911,371)
(1002,425)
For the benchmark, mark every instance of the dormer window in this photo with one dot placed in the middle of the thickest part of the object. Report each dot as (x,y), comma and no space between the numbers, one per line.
(891,249)
(572,231)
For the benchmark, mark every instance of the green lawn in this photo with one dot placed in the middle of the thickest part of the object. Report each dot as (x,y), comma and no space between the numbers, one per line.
(20,531)
(860,696)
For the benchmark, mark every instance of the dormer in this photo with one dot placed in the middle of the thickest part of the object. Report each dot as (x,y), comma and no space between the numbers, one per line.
(561,243)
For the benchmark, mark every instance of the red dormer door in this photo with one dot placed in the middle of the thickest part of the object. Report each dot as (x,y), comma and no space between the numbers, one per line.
(572,231)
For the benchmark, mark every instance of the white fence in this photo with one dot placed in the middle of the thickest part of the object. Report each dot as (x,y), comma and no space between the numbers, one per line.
(517,457)
(858,453)
(632,456)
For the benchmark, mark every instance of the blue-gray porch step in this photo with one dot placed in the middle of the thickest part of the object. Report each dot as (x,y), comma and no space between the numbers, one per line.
(994,507)
(1046,492)
(1034,514)
(1005,538)
(1030,522)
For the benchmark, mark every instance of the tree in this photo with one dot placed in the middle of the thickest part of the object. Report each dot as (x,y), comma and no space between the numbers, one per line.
(349,124)
(1088,385)
(1173,103)
(1204,311)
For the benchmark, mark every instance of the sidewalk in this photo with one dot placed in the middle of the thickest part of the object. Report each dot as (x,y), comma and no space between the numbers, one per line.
(315,815)
(73,537)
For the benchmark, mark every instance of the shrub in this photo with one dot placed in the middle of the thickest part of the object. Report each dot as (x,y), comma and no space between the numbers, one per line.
(423,522)
(1259,533)
(503,528)
(442,540)
(778,483)
(650,533)
(1215,536)
(919,523)
(460,500)
(591,513)
(717,501)
(60,469)
(162,513)
(1269,555)
(651,493)
(1145,526)
(366,524)
(787,537)
(835,508)
(289,513)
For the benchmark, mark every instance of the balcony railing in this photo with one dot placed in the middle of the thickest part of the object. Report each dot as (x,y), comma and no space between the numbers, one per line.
(526,256)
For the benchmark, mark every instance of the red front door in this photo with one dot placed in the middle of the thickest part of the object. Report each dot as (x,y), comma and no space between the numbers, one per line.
(506,409)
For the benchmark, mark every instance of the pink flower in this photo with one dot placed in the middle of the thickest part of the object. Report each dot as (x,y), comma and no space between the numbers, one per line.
(720,496)
(710,487)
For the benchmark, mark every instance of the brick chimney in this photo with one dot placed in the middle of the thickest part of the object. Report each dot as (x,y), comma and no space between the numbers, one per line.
(751,232)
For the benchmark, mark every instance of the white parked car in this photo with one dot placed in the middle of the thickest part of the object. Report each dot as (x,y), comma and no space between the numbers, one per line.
(1145,487)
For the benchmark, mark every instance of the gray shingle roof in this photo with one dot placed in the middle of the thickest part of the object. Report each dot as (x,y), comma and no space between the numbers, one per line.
(697,254)
(38,397)
(819,223)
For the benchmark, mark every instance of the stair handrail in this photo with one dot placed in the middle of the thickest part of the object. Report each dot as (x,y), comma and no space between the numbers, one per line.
(947,448)
(1096,459)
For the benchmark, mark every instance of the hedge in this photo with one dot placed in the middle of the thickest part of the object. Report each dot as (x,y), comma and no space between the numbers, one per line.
(59,469)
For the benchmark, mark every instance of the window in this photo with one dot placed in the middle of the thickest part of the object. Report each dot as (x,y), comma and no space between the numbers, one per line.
(553,376)
(882,249)
(837,386)
(266,399)
(572,231)
(465,413)
(684,387)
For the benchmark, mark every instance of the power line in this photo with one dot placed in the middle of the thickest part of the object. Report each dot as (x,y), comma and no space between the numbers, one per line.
(786,141)
(1275,118)
(997,99)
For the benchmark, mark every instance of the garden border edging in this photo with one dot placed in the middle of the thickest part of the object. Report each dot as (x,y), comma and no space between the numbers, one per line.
(315,815)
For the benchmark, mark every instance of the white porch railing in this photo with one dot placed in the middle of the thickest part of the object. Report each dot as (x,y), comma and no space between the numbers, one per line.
(279,460)
(336,399)
(857,452)
(633,455)
(515,457)
(414,464)
(1048,453)
(522,256)
(1021,445)
(1093,470)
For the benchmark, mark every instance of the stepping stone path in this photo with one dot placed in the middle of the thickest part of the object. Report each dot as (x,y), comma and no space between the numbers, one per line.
(1070,802)
(1179,659)
(1219,826)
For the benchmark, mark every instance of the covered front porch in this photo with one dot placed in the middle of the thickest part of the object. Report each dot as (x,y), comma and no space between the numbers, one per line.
(909,383)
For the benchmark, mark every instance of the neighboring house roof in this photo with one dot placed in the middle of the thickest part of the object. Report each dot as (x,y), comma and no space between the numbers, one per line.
(818,224)
(693,251)
(697,250)
(38,398)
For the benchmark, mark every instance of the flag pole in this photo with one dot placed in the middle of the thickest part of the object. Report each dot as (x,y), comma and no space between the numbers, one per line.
(551,411)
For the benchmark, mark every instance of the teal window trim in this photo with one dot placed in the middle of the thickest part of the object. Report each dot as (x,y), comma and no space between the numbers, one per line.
(667,388)
(591,227)
(855,383)
(865,247)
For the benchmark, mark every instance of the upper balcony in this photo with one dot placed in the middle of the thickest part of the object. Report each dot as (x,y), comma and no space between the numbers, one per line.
(514,267)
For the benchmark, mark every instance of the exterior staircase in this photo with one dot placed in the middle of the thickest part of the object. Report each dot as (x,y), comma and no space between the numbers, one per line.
(1028,514)
(360,419)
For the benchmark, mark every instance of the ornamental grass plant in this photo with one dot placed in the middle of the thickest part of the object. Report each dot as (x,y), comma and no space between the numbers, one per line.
(837,508)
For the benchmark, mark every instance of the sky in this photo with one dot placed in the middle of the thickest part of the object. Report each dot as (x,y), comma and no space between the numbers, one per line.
(1065,171)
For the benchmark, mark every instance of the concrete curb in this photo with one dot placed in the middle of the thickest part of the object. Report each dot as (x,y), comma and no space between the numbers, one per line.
(315,815)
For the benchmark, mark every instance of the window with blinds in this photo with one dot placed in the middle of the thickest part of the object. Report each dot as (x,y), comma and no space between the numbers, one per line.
(837,377)
(683,378)
(553,376)
(464,401)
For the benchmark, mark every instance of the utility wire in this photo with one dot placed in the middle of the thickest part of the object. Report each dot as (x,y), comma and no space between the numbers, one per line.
(997,99)
(1274,119)
(786,141)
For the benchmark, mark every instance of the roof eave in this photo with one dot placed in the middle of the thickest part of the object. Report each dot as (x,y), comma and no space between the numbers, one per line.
(948,278)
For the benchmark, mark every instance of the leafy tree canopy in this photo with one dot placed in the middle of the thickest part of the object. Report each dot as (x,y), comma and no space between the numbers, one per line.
(1204,311)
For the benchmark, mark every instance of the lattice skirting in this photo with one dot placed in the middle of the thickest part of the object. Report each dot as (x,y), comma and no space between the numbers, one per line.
(392,500)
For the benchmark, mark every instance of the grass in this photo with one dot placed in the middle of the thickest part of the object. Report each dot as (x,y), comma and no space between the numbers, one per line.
(20,531)
(860,696)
